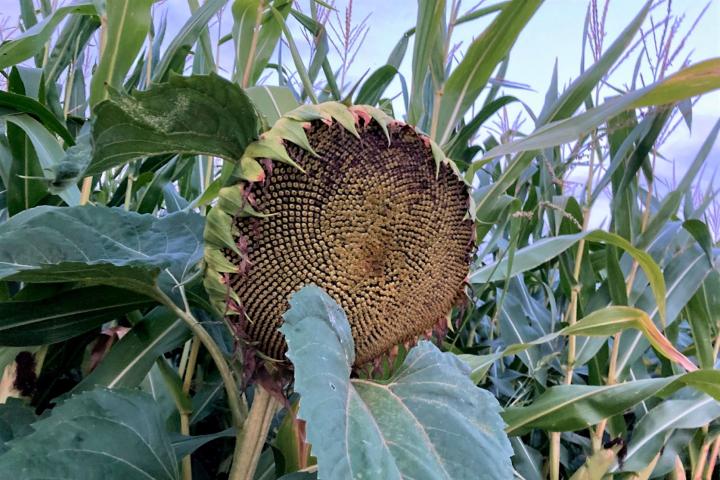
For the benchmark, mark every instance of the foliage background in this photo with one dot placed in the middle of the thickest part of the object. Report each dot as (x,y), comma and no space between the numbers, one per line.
(548,329)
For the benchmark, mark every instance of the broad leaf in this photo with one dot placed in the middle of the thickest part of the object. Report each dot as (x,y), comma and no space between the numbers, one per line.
(65,315)
(100,245)
(97,434)
(15,420)
(407,427)
(195,115)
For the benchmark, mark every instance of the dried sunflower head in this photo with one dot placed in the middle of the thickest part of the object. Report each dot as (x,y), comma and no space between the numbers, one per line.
(354,202)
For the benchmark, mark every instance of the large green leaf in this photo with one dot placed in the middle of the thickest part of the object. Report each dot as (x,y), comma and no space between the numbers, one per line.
(471,75)
(128,23)
(97,434)
(33,40)
(100,245)
(15,420)
(407,427)
(65,315)
(197,115)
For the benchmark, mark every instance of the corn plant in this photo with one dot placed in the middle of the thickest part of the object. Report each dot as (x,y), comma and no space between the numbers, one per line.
(224,256)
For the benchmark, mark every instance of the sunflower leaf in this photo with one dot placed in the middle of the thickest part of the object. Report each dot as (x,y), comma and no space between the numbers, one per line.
(100,246)
(98,434)
(201,114)
(406,427)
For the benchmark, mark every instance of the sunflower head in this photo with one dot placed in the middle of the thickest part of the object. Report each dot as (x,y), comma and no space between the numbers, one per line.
(350,200)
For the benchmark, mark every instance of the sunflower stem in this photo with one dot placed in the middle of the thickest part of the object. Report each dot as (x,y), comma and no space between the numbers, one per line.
(255,431)
(231,387)
(185,415)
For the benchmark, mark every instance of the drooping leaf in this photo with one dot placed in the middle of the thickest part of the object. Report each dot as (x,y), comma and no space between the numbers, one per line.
(406,427)
(195,115)
(684,274)
(184,445)
(97,434)
(25,187)
(24,104)
(600,323)
(100,245)
(49,154)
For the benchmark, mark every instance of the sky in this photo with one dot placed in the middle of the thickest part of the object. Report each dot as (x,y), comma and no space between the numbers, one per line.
(553,34)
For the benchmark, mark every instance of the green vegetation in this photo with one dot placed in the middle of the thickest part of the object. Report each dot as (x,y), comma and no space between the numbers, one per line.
(139,173)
